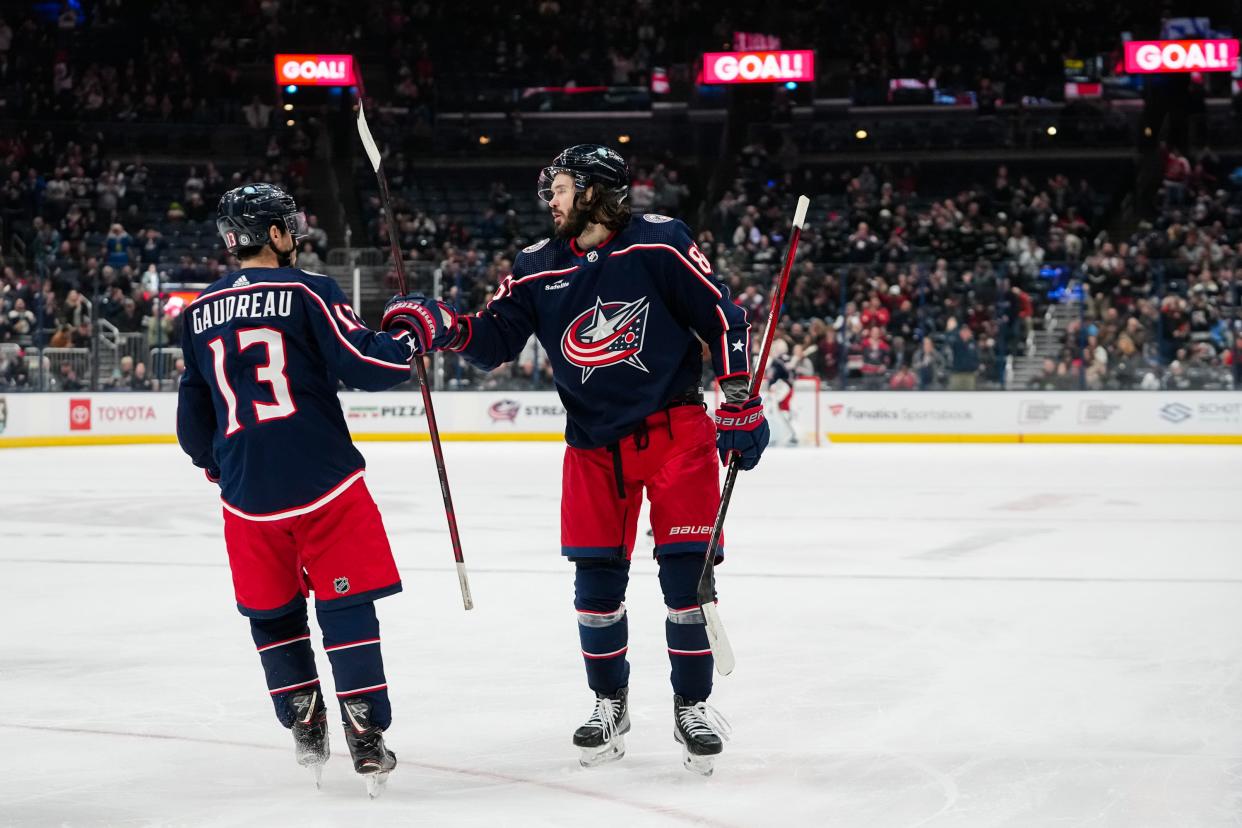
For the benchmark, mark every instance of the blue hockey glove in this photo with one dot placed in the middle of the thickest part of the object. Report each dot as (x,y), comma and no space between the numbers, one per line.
(432,325)
(741,429)
(212,475)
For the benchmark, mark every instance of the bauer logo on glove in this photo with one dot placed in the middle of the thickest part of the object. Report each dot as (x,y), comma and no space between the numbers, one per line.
(741,432)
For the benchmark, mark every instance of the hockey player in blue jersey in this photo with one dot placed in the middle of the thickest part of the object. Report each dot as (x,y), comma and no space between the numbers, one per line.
(621,304)
(257,410)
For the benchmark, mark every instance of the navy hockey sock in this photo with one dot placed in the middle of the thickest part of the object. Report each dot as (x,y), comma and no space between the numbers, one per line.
(599,593)
(352,641)
(288,661)
(688,651)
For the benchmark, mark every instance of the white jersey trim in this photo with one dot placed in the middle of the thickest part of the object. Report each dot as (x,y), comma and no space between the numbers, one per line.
(323,500)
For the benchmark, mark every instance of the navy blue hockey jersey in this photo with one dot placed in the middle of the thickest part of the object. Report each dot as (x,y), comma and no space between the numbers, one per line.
(264,348)
(621,323)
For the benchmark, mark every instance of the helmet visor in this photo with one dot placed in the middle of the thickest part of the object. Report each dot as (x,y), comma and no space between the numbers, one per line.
(295,224)
(548,175)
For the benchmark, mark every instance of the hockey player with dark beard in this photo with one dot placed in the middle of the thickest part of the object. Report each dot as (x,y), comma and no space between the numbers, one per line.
(621,304)
(257,410)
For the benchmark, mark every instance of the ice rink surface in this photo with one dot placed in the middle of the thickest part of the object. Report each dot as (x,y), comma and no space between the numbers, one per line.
(926,635)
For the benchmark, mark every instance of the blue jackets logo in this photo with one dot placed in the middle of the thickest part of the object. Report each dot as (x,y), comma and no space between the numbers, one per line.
(504,411)
(611,333)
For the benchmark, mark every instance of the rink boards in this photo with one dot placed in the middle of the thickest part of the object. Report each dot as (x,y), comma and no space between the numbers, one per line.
(816,417)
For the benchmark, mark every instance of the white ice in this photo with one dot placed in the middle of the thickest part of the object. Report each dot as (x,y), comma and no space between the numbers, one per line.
(926,635)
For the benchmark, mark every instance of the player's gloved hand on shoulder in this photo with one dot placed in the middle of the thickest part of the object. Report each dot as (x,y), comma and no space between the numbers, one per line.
(432,324)
(741,429)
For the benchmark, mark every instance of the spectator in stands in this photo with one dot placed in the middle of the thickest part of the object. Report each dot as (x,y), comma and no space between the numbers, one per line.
(81,337)
(140,381)
(670,192)
(903,379)
(21,321)
(876,355)
(129,320)
(123,374)
(196,209)
(1046,379)
(116,246)
(318,236)
(929,365)
(151,250)
(308,259)
(257,113)
(63,337)
(965,364)
(67,379)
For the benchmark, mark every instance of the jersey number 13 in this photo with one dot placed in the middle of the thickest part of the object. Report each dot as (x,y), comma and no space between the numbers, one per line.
(272,374)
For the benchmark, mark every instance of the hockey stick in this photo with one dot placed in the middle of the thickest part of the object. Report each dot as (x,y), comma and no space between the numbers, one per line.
(373,153)
(718,640)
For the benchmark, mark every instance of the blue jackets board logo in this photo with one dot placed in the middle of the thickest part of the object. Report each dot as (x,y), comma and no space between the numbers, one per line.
(611,333)
(504,411)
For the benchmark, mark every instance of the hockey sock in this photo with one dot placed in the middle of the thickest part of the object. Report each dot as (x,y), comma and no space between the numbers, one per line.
(352,641)
(599,592)
(688,651)
(288,661)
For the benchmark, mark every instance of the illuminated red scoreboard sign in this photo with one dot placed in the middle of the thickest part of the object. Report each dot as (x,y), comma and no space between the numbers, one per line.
(315,70)
(758,67)
(1146,57)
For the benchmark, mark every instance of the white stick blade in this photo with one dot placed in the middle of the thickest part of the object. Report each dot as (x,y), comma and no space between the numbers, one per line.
(467,600)
(804,204)
(718,640)
(368,142)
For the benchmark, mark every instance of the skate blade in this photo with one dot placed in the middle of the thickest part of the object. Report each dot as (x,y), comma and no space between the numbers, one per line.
(702,765)
(611,752)
(376,783)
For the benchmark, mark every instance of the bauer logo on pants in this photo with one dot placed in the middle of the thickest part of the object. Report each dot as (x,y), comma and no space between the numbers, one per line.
(341,585)
(608,334)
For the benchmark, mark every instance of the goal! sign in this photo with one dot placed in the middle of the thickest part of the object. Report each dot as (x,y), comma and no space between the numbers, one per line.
(758,67)
(1146,57)
(315,70)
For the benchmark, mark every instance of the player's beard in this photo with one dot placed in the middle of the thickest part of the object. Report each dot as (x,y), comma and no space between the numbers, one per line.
(286,258)
(574,225)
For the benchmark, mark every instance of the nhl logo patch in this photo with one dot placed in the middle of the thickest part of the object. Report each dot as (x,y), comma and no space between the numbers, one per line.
(341,585)
(592,256)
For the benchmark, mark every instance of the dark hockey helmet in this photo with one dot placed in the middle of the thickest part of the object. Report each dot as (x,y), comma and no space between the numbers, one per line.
(245,214)
(588,164)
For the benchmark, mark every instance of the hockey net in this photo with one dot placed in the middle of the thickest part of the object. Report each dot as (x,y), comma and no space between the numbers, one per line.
(793,411)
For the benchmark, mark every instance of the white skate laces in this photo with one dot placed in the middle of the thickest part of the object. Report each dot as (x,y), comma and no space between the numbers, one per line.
(701,719)
(605,717)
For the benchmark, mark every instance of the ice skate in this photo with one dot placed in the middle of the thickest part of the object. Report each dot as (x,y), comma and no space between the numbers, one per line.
(366,746)
(602,738)
(310,730)
(702,731)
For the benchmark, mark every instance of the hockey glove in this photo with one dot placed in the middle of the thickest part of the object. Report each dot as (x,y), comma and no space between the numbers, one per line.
(212,475)
(741,429)
(432,325)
